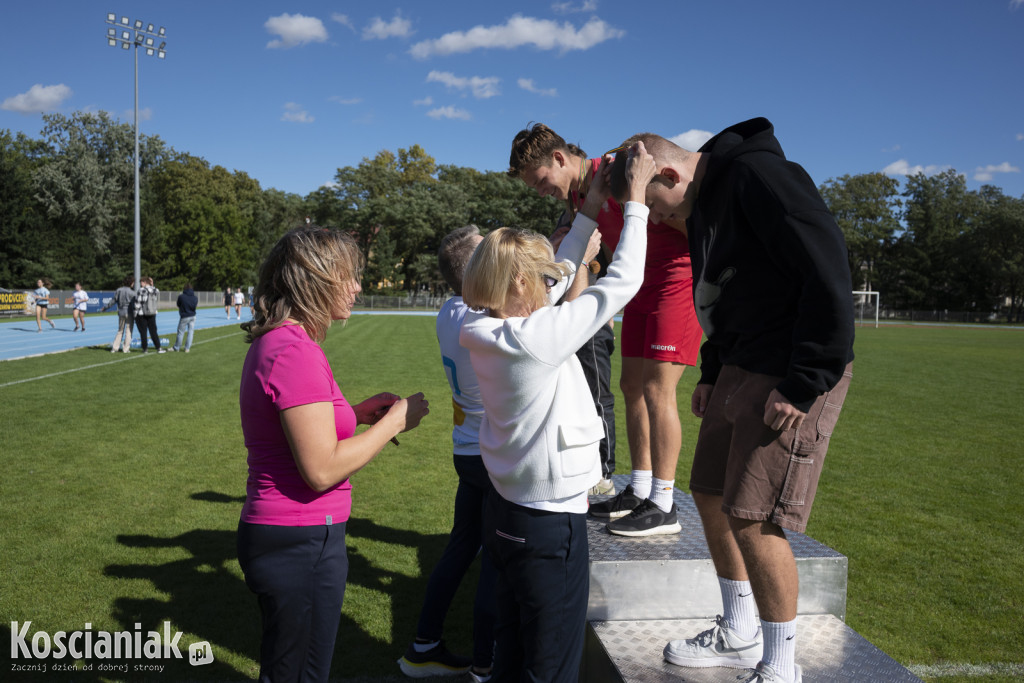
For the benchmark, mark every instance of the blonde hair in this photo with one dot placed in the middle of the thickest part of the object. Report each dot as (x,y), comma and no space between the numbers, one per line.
(503,257)
(302,278)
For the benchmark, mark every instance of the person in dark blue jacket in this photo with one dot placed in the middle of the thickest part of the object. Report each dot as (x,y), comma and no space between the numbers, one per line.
(187,302)
(772,291)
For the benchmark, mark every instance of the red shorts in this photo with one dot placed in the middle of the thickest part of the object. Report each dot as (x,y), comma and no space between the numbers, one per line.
(660,324)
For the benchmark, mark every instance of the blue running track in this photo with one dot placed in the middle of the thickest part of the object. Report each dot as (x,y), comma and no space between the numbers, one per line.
(19,337)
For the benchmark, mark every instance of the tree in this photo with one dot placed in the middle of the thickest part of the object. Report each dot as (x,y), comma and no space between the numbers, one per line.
(1000,241)
(378,202)
(26,245)
(86,188)
(495,200)
(209,224)
(939,212)
(866,207)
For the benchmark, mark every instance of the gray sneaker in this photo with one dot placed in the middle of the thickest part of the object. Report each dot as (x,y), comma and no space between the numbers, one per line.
(718,646)
(763,673)
(646,519)
(605,487)
(619,506)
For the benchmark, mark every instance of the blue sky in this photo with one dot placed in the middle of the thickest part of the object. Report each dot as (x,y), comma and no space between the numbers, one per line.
(289,91)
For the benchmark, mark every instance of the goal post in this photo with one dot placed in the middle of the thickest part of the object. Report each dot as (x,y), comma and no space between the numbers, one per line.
(867,305)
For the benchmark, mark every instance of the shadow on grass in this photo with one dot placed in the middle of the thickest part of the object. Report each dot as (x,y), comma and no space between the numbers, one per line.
(216,497)
(206,598)
(362,654)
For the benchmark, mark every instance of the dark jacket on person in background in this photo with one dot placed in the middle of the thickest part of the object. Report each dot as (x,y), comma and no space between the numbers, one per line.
(187,302)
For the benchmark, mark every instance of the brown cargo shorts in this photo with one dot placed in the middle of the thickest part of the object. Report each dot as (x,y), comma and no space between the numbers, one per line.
(762,474)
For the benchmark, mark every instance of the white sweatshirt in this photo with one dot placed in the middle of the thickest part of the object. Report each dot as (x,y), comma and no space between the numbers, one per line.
(540,432)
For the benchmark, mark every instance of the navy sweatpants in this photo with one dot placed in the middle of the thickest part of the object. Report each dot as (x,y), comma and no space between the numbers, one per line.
(298,575)
(542,559)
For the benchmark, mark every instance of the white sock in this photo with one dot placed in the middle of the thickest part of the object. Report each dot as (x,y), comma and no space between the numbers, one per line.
(661,493)
(738,607)
(780,647)
(641,483)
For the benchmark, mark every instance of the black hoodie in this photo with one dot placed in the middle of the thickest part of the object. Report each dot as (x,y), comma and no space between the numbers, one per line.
(772,283)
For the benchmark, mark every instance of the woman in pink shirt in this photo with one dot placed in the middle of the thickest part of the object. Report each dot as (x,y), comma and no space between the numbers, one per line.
(300,434)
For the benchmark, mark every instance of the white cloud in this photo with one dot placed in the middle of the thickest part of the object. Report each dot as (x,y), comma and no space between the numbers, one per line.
(527,85)
(345,100)
(1020,136)
(296,114)
(482,88)
(449,113)
(295,30)
(1014,4)
(569,8)
(38,99)
(985,173)
(903,167)
(692,139)
(425,102)
(343,20)
(396,28)
(518,31)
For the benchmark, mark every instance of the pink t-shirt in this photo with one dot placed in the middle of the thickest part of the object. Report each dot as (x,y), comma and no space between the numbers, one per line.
(285,368)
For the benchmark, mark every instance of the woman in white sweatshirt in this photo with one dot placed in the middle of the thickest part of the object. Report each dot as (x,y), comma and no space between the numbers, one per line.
(540,433)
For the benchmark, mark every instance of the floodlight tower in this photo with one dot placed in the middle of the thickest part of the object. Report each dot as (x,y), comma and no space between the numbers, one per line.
(127,34)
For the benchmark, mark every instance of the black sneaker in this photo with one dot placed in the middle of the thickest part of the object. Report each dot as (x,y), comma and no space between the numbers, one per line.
(436,661)
(619,506)
(647,519)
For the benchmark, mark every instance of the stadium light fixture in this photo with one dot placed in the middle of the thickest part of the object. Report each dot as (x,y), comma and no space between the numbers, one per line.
(121,33)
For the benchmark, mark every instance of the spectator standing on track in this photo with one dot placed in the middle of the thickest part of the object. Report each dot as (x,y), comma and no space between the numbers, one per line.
(81,300)
(227,303)
(123,299)
(42,300)
(187,302)
(145,314)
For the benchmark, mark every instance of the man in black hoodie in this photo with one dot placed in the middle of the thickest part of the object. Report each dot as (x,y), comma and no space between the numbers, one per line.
(772,290)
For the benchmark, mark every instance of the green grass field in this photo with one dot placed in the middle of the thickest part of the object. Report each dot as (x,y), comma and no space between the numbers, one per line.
(123,481)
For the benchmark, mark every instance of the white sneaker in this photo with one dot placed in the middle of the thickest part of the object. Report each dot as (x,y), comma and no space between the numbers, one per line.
(763,673)
(605,487)
(718,646)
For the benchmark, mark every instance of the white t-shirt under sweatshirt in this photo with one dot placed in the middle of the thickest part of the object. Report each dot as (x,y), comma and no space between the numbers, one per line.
(540,432)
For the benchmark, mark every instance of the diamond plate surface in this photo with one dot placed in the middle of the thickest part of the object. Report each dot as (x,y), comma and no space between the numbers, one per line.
(689,544)
(672,576)
(827,650)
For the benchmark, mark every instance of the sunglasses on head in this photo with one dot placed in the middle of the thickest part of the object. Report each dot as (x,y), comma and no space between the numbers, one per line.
(549,281)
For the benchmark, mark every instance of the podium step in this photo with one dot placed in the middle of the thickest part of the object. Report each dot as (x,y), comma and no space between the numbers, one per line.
(827,650)
(672,577)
